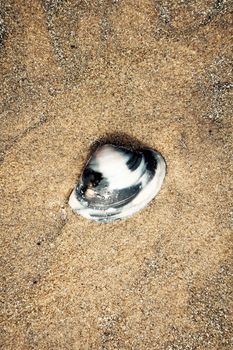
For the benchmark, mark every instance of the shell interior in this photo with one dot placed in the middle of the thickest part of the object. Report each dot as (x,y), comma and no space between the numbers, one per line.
(117,182)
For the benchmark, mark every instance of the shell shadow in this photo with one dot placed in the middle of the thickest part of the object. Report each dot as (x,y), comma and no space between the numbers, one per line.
(118,139)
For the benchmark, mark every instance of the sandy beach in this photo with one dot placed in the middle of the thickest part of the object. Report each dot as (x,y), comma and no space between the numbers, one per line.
(74,73)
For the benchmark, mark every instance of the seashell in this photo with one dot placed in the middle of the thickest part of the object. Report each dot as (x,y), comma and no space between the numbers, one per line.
(117,182)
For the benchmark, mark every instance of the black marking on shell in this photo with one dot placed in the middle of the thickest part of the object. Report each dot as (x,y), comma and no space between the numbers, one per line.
(125,195)
(91,177)
(134,161)
(151,162)
(105,200)
(103,217)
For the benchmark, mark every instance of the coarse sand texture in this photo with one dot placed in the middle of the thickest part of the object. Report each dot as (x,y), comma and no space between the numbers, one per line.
(77,72)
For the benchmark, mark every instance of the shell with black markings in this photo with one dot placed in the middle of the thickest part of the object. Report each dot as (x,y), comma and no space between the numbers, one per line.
(117,182)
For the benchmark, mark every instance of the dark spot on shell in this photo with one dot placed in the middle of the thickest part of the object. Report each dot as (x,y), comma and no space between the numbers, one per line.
(134,161)
(91,177)
(151,162)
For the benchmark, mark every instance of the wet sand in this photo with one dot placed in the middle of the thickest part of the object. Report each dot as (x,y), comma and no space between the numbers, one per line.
(151,72)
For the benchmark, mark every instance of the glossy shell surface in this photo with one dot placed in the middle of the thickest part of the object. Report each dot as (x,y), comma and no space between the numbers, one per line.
(117,182)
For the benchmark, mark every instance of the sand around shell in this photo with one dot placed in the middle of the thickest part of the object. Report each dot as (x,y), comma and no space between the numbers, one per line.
(77,72)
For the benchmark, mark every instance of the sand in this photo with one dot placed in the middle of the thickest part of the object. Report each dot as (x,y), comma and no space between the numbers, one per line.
(151,72)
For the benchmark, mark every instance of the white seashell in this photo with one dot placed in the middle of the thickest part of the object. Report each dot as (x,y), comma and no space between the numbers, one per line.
(117,182)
